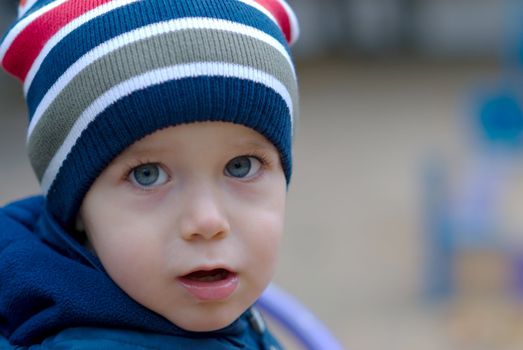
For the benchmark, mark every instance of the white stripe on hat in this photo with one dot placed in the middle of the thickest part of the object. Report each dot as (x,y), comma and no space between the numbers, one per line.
(62,33)
(260,8)
(152,78)
(22,24)
(26,7)
(142,33)
(295,29)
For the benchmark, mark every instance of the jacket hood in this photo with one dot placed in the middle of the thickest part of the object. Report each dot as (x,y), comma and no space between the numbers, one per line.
(50,282)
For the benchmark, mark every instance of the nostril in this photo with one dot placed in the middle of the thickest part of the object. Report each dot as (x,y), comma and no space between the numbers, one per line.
(220,235)
(207,235)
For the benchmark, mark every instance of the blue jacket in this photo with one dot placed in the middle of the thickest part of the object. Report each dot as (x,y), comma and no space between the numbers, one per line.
(55,294)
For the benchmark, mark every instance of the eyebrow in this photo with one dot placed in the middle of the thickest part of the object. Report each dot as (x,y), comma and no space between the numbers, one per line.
(139,150)
(252,144)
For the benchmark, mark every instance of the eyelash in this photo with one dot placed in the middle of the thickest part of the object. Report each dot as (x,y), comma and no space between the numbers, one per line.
(265,161)
(260,156)
(132,165)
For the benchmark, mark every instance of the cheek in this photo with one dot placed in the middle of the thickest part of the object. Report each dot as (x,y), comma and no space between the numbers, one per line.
(264,224)
(262,243)
(122,250)
(134,264)
(121,241)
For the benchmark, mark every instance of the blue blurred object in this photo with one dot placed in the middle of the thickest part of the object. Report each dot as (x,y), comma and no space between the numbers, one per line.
(500,108)
(501,118)
(512,49)
(439,244)
(470,218)
(519,34)
(297,320)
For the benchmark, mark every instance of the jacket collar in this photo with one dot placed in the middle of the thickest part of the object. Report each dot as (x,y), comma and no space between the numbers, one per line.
(51,282)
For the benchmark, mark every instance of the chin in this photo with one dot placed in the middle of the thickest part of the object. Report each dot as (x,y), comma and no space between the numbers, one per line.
(208,321)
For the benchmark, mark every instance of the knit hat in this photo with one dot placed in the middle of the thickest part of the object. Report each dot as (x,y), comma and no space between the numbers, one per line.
(99,75)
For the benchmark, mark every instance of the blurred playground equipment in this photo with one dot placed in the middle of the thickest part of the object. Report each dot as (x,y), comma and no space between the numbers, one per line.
(474,246)
(296,320)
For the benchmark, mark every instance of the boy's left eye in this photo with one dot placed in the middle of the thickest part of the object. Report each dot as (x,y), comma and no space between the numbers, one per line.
(243,167)
(148,176)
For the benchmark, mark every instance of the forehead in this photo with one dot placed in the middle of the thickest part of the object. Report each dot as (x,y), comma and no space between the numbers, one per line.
(205,137)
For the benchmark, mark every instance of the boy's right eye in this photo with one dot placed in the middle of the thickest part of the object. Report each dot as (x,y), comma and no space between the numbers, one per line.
(148,176)
(243,167)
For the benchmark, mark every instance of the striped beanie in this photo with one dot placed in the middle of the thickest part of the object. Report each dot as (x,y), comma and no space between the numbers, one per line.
(98,75)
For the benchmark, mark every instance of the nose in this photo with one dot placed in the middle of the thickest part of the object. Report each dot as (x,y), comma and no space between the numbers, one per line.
(204,216)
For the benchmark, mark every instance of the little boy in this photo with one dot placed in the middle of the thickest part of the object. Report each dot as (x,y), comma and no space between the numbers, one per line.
(160,131)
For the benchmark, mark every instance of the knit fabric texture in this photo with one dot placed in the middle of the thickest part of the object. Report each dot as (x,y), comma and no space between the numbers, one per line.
(99,75)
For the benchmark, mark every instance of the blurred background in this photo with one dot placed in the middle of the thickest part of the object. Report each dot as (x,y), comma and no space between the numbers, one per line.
(404,222)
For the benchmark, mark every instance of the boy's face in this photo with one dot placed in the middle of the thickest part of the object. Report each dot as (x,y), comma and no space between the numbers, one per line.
(188,220)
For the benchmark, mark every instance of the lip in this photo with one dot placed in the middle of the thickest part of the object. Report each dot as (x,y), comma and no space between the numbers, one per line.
(210,290)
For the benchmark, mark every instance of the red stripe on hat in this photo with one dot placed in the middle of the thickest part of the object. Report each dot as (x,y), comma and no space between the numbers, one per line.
(281,15)
(29,43)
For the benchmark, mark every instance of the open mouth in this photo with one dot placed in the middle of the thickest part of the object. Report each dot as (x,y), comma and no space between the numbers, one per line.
(208,276)
(215,284)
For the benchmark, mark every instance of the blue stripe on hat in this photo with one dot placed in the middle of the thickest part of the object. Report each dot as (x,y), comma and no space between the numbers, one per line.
(218,99)
(90,35)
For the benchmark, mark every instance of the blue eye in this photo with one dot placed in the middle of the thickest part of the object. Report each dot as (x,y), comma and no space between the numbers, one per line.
(242,167)
(148,175)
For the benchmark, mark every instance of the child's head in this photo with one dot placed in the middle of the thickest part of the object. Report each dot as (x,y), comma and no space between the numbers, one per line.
(187,221)
(164,128)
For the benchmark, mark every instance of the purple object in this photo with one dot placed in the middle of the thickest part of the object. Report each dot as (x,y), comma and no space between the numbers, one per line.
(517,275)
(297,320)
